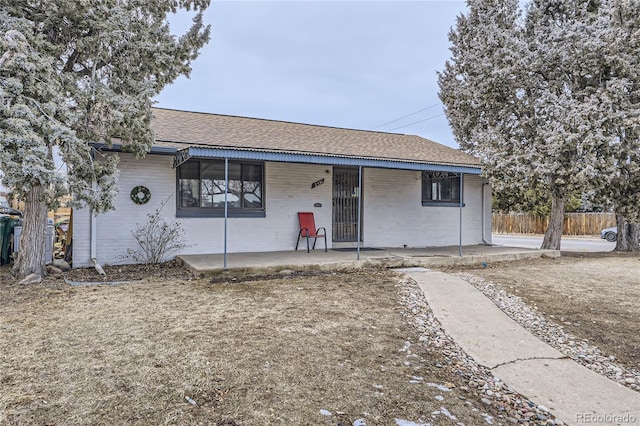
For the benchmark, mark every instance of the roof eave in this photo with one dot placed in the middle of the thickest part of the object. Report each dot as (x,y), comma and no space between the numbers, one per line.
(159,150)
(306,158)
(330,159)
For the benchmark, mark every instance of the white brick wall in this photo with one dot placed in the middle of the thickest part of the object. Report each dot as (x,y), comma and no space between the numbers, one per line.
(287,191)
(113,228)
(393,213)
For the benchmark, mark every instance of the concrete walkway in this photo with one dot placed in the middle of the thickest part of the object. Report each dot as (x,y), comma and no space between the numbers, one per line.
(268,262)
(573,393)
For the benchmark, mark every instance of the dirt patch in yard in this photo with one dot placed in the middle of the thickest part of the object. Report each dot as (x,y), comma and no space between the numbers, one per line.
(595,296)
(173,349)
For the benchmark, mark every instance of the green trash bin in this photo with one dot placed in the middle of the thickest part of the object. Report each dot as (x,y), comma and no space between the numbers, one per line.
(6,230)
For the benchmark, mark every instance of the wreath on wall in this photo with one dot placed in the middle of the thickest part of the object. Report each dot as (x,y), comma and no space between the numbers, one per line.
(140,195)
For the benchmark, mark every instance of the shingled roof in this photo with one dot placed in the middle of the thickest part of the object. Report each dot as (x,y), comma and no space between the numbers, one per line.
(184,129)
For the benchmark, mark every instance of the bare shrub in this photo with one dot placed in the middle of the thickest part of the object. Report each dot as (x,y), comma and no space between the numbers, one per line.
(156,239)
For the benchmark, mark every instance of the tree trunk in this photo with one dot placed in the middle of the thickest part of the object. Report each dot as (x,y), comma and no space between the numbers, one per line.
(33,240)
(556,221)
(628,235)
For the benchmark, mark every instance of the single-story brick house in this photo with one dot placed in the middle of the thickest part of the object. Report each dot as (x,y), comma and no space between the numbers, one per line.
(413,192)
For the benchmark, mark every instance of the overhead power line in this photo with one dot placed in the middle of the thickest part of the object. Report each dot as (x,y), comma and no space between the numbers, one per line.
(408,115)
(416,122)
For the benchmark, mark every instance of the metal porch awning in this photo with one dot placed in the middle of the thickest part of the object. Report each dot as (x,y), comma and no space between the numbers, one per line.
(184,155)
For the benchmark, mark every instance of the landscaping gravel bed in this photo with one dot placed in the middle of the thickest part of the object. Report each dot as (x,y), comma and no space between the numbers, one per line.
(551,331)
(517,409)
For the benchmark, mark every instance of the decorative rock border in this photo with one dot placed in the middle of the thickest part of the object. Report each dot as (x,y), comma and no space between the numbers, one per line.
(554,334)
(517,409)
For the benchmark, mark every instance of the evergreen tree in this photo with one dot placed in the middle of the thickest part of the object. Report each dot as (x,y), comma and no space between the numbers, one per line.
(520,93)
(77,73)
(619,180)
(563,82)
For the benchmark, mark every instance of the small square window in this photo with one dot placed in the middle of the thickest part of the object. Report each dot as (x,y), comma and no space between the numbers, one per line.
(441,188)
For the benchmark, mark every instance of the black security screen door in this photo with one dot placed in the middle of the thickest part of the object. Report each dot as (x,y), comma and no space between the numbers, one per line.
(345,204)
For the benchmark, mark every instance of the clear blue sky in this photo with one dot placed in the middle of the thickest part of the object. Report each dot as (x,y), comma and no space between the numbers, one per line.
(353,64)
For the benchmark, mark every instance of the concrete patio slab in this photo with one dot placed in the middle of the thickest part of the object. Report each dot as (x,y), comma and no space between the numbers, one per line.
(268,262)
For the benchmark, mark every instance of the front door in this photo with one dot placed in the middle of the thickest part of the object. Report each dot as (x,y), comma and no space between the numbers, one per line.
(345,204)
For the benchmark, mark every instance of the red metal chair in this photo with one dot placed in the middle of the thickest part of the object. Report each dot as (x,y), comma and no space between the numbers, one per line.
(308,230)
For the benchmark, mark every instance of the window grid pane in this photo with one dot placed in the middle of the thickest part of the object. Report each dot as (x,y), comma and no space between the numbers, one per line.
(189,185)
(440,187)
(201,184)
(252,185)
(189,193)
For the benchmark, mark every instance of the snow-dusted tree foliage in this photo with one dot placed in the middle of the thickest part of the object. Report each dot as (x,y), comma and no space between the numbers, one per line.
(529,96)
(77,73)
(619,182)
(563,82)
(482,97)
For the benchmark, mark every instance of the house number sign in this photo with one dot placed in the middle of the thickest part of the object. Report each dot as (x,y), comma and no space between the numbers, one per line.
(317,183)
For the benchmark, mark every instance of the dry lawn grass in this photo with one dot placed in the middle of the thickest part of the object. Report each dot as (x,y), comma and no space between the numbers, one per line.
(247,353)
(595,296)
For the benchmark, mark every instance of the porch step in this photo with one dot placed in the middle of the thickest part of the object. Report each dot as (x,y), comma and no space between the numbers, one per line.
(319,260)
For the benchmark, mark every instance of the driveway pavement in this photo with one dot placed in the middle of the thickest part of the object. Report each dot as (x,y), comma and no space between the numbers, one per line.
(577,244)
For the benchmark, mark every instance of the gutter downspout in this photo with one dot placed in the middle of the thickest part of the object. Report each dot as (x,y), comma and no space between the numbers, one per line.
(484,241)
(94,244)
(460,223)
(93,225)
(226,206)
(359,206)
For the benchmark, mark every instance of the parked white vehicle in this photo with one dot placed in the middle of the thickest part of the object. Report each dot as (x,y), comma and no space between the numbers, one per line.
(609,234)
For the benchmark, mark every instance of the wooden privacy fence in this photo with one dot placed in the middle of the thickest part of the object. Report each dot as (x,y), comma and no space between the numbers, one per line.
(574,223)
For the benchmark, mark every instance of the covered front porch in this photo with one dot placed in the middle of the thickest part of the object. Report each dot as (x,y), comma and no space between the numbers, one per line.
(341,259)
(242,191)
